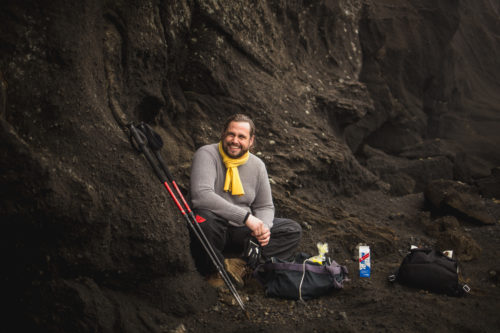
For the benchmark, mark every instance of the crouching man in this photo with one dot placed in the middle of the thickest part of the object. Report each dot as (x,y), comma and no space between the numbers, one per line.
(232,199)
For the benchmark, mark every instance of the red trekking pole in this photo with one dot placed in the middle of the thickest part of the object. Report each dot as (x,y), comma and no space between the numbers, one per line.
(143,136)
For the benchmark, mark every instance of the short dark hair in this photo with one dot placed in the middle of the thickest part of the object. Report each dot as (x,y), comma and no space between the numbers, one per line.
(239,117)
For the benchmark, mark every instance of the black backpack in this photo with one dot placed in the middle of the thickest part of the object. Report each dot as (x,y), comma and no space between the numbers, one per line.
(300,278)
(430,270)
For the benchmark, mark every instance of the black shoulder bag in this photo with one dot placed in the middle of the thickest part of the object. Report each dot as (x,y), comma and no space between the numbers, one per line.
(430,270)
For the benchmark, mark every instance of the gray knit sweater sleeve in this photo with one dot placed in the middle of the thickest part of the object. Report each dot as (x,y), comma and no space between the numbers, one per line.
(208,174)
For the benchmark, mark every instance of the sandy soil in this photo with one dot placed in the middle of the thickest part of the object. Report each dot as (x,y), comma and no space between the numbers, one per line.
(373,304)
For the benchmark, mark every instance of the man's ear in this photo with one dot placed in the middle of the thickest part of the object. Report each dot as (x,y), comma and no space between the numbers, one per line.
(252,139)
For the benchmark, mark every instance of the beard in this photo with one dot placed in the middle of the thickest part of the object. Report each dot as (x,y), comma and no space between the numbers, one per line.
(226,148)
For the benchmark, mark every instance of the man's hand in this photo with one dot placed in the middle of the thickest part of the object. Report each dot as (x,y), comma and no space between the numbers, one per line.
(259,230)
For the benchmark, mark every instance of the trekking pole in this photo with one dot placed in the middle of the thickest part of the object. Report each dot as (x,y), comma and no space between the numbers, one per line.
(155,143)
(141,135)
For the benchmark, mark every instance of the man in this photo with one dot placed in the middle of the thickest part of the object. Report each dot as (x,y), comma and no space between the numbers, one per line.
(232,199)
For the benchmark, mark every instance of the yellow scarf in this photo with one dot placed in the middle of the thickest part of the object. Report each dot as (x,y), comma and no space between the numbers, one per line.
(233,181)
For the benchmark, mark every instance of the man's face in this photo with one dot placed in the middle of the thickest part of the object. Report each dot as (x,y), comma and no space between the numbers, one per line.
(237,140)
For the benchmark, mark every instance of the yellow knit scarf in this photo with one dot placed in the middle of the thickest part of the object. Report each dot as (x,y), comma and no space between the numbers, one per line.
(233,181)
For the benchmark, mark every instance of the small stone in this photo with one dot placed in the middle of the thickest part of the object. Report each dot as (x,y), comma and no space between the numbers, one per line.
(179,329)
(343,315)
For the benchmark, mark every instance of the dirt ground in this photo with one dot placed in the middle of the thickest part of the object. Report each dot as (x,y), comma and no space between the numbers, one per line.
(373,304)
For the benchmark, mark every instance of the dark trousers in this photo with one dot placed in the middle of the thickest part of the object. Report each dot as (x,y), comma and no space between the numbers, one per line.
(231,240)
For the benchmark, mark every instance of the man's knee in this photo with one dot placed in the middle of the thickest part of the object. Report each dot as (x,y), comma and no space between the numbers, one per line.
(296,228)
(213,226)
(203,215)
(205,218)
(289,226)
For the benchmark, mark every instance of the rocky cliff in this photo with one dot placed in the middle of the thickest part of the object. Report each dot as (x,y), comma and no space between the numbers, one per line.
(347,96)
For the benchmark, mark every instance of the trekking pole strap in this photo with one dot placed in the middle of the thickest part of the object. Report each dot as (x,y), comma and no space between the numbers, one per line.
(154,139)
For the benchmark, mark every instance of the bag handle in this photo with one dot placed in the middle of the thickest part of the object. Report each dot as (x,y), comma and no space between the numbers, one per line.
(302,280)
(297,267)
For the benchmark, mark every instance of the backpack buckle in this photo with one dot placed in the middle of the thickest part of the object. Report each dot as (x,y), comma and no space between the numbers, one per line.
(466,288)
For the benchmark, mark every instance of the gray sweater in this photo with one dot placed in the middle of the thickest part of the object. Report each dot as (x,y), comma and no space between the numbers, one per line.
(208,174)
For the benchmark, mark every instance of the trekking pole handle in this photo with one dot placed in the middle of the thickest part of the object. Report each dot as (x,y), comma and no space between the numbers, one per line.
(155,143)
(137,139)
(140,139)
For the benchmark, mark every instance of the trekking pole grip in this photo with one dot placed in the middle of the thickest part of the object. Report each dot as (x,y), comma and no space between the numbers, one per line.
(137,138)
(155,142)
(140,139)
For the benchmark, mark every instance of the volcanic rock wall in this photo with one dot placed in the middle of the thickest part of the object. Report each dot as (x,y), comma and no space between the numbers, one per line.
(346,96)
(429,71)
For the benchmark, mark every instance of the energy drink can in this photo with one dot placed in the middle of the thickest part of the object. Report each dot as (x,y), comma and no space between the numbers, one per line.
(364,261)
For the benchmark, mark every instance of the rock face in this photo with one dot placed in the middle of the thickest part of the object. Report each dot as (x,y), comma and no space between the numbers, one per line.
(458,199)
(347,96)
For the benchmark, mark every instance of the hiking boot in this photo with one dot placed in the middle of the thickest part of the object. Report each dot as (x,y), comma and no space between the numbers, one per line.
(237,269)
(215,280)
